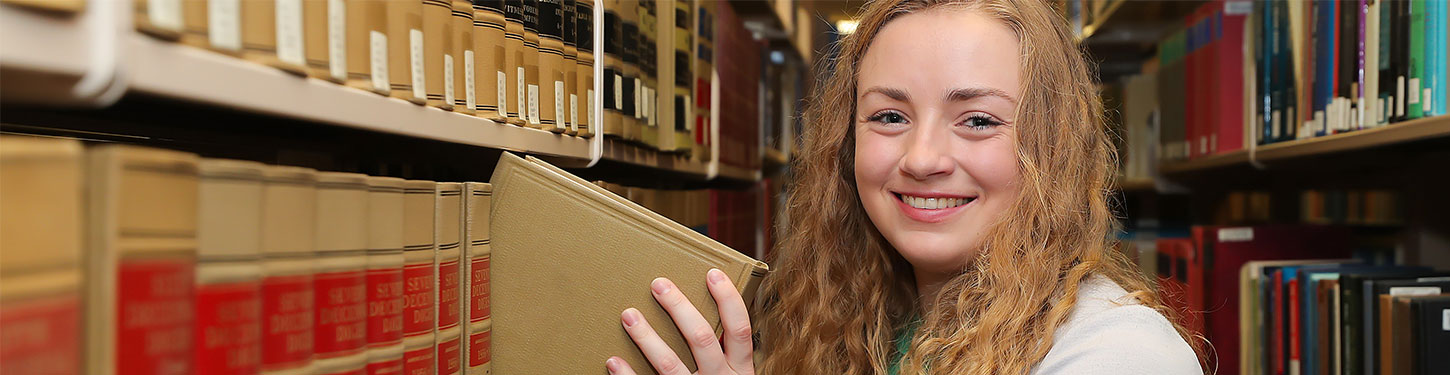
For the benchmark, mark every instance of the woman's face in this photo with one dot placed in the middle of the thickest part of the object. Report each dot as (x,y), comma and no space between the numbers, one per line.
(936,160)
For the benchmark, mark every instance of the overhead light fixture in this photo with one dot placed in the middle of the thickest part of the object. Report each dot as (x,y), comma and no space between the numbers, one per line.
(846,27)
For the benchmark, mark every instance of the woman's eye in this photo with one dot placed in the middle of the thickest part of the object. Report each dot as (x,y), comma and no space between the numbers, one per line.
(887,117)
(981,122)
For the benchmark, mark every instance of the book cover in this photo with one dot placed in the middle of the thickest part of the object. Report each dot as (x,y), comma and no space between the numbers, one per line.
(629,247)
(1228,132)
(1430,321)
(438,59)
(289,224)
(140,260)
(41,275)
(324,33)
(405,39)
(1172,97)
(477,199)
(1352,309)
(366,46)
(419,267)
(447,208)
(1255,317)
(340,281)
(588,113)
(1382,292)
(1371,104)
(1326,42)
(1387,77)
(385,275)
(228,272)
(1416,82)
(1194,92)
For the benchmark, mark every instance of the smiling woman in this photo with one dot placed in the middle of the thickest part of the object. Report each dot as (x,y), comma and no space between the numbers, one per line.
(949,216)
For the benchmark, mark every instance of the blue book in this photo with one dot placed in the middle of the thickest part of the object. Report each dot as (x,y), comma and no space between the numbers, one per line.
(1326,36)
(1439,76)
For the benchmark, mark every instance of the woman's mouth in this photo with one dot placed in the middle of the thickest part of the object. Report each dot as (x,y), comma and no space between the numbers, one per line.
(933,203)
(931,209)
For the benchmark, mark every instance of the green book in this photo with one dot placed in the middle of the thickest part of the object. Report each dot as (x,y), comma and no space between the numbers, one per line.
(1414,108)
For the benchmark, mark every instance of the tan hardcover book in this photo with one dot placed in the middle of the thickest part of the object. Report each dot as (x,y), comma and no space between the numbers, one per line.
(289,224)
(448,233)
(465,92)
(614,78)
(194,19)
(478,198)
(599,269)
(160,18)
(419,266)
(530,58)
(59,6)
(517,109)
(385,274)
(141,260)
(490,60)
(649,131)
(340,279)
(41,187)
(228,268)
(1399,332)
(586,113)
(324,33)
(633,84)
(437,56)
(704,70)
(272,34)
(551,62)
(569,98)
(406,71)
(367,45)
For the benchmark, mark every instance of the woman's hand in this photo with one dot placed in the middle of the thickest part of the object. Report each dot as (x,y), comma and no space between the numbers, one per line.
(710,358)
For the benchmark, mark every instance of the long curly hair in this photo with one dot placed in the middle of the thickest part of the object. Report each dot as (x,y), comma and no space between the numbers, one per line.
(839,292)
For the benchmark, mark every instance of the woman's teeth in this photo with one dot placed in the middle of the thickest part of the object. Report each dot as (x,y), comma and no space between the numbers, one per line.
(933,203)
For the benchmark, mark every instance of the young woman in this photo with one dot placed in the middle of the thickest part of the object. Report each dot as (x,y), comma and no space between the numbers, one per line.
(949,216)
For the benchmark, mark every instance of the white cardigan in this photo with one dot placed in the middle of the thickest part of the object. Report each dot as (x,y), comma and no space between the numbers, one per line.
(1110,333)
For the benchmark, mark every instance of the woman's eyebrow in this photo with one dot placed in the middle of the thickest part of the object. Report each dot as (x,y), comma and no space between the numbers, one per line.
(893,93)
(965,94)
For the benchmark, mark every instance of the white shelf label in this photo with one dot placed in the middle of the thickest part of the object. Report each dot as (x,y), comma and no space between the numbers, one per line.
(164,14)
(618,92)
(337,39)
(534,104)
(378,54)
(521,99)
(574,112)
(503,81)
(559,122)
(289,32)
(469,96)
(224,20)
(415,59)
(448,79)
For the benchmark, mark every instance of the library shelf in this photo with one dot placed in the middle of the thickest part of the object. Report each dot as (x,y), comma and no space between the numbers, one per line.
(1227,159)
(1397,133)
(640,156)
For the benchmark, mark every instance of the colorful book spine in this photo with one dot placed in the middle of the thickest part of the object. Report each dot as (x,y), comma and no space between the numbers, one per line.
(289,225)
(419,267)
(478,198)
(1416,82)
(447,210)
(228,272)
(340,285)
(41,275)
(385,275)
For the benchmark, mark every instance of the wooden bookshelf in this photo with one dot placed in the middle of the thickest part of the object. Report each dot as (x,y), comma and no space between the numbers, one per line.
(1233,158)
(1397,133)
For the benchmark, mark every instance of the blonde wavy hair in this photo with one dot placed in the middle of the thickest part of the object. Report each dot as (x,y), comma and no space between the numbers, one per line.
(839,292)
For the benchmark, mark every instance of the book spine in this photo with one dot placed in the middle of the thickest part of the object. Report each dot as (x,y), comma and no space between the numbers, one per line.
(385,275)
(419,284)
(551,66)
(1416,82)
(1439,75)
(341,284)
(405,45)
(514,69)
(1233,92)
(366,45)
(289,206)
(41,188)
(228,271)
(448,208)
(489,75)
(437,26)
(587,116)
(479,198)
(322,39)
(465,91)
(531,57)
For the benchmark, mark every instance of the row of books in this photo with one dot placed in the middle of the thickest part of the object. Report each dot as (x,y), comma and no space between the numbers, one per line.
(1243,290)
(658,61)
(1358,207)
(740,65)
(690,208)
(127,260)
(1245,72)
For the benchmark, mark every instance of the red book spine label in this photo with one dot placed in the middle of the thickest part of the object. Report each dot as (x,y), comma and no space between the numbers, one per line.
(393,367)
(154,316)
(478,348)
(227,329)
(418,299)
(348,372)
(40,336)
(385,306)
(341,313)
(287,310)
(448,309)
(478,290)
(448,357)
(419,361)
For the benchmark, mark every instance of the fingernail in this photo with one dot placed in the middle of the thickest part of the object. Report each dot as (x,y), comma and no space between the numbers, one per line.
(715,275)
(660,286)
(612,364)
(630,316)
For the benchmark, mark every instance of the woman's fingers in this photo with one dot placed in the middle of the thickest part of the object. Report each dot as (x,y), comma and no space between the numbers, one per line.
(655,350)
(735,320)
(617,366)
(697,332)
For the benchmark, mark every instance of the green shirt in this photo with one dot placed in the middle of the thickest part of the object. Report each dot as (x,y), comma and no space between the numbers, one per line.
(903,343)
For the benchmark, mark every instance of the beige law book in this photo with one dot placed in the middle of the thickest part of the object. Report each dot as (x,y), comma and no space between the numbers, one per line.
(140,260)
(289,225)
(385,274)
(569,70)
(438,57)
(405,50)
(213,24)
(160,18)
(272,34)
(41,186)
(559,296)
(228,268)
(530,57)
(513,66)
(366,45)
(478,198)
(324,34)
(490,61)
(340,274)
(551,99)
(448,208)
(586,115)
(419,267)
(465,90)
